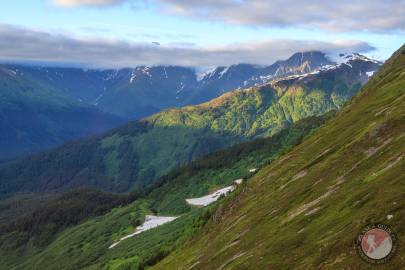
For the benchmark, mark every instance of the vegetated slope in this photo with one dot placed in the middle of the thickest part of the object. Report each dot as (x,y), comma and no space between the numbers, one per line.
(221,168)
(34,117)
(48,238)
(306,209)
(58,212)
(135,155)
(21,204)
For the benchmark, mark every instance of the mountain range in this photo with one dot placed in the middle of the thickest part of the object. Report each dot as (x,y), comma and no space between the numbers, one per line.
(141,91)
(42,107)
(133,156)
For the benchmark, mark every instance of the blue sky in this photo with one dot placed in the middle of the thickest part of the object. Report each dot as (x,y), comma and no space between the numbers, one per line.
(187,29)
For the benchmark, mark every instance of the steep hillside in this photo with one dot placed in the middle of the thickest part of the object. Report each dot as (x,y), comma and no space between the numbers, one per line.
(34,116)
(133,156)
(305,210)
(63,232)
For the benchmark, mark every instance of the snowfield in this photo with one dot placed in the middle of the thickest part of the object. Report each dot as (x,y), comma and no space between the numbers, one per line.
(150,223)
(210,198)
(238,181)
(370,73)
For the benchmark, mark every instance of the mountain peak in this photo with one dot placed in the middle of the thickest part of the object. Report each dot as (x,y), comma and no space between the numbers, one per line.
(349,57)
(316,58)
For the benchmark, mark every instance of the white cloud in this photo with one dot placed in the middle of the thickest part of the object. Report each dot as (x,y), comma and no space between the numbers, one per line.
(25,45)
(373,15)
(338,15)
(74,3)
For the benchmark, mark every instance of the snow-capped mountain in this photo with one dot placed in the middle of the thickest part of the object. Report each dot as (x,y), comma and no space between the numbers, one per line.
(355,63)
(142,91)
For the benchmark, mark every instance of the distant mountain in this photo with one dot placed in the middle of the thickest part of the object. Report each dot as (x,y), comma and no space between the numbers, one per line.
(133,156)
(141,91)
(222,79)
(34,116)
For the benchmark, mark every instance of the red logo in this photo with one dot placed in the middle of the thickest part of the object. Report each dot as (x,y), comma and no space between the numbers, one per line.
(376,244)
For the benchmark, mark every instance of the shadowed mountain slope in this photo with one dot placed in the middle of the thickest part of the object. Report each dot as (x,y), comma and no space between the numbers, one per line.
(35,116)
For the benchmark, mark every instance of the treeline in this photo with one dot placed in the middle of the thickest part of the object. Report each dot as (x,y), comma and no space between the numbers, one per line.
(66,210)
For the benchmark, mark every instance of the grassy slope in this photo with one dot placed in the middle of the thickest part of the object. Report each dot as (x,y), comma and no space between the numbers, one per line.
(221,168)
(140,152)
(305,210)
(85,245)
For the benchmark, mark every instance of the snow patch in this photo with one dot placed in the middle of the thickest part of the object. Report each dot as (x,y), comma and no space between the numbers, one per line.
(150,223)
(223,72)
(201,75)
(111,75)
(370,73)
(96,101)
(210,198)
(146,70)
(133,76)
(213,197)
(238,181)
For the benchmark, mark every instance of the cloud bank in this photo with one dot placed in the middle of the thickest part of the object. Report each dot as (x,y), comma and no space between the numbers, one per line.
(76,3)
(340,15)
(25,45)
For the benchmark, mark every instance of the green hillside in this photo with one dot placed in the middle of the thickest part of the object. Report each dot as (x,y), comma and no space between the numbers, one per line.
(63,232)
(305,210)
(135,155)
